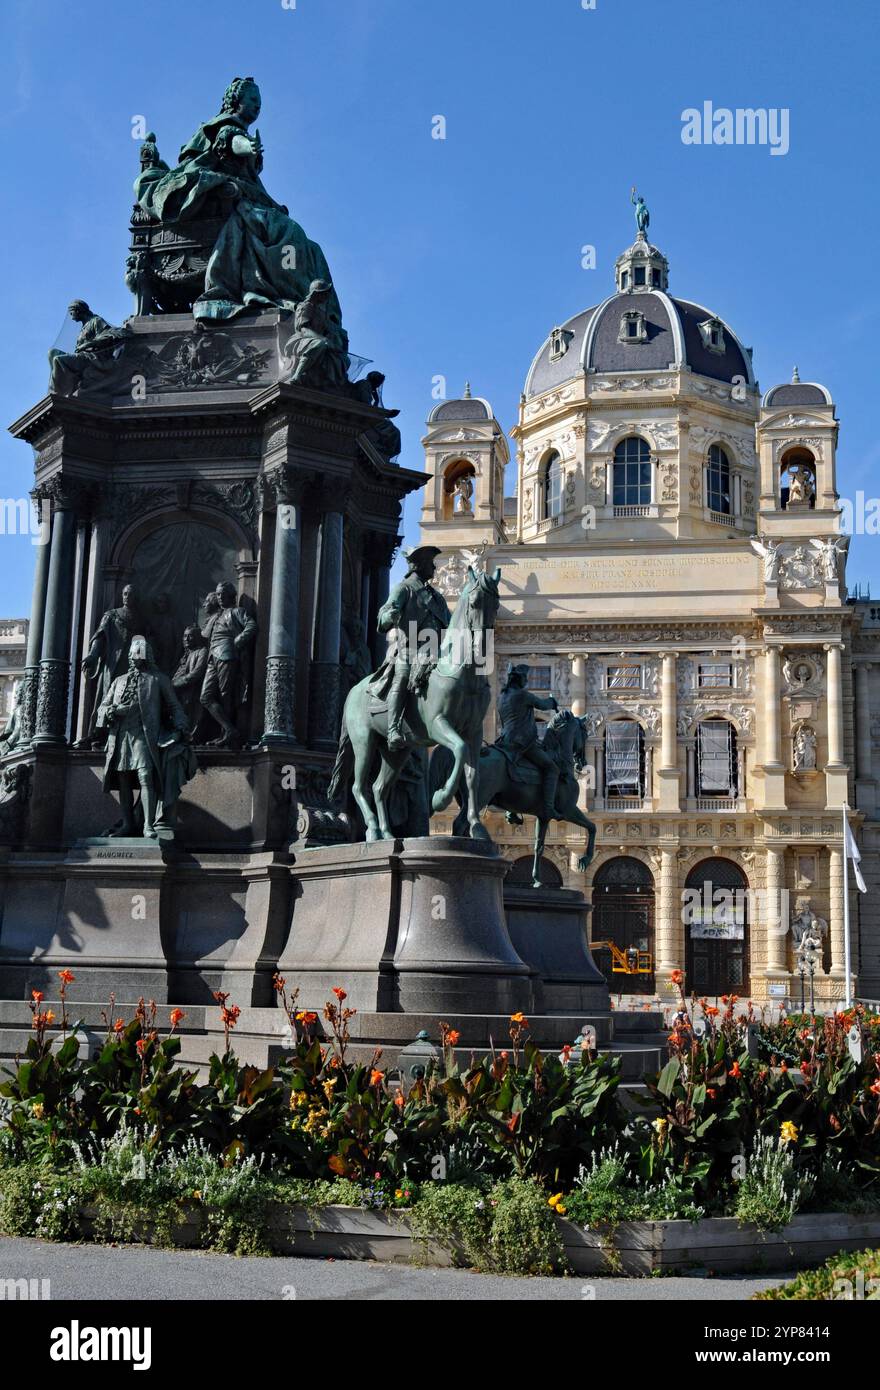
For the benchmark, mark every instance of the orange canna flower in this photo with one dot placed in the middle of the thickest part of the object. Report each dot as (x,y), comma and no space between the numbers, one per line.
(400,1100)
(676,977)
(518,1018)
(119,1025)
(340,994)
(37,996)
(376,1077)
(66,977)
(735,1071)
(177,1016)
(452,1037)
(336,1163)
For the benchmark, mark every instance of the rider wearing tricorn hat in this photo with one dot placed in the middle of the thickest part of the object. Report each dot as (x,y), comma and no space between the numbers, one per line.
(519,731)
(413,611)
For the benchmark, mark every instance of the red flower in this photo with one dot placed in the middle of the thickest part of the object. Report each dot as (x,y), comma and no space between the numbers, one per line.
(376,1077)
(177,1016)
(512,1123)
(141,1046)
(875,1088)
(66,977)
(711,1092)
(676,977)
(340,994)
(452,1037)
(37,996)
(735,1071)
(118,1025)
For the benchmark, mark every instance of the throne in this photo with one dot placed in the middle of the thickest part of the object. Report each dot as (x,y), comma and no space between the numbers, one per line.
(166,265)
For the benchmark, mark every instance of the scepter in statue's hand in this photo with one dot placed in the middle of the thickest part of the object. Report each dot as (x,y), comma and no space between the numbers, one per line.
(258,150)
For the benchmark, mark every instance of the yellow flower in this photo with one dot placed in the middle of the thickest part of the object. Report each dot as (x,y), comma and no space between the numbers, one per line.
(398,1194)
(554,1200)
(39,1109)
(788,1132)
(660,1125)
(197,1194)
(328,1085)
(297,1099)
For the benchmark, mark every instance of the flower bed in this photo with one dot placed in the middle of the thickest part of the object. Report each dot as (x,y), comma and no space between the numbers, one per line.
(518,1161)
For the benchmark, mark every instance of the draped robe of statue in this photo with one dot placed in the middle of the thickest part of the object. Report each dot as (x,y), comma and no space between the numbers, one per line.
(261,257)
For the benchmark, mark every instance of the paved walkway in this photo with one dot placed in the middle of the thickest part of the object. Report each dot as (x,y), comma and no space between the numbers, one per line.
(87,1272)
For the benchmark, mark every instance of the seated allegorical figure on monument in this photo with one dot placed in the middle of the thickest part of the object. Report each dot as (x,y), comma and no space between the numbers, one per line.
(224,690)
(92,364)
(261,257)
(147,744)
(312,353)
(107,656)
(385,436)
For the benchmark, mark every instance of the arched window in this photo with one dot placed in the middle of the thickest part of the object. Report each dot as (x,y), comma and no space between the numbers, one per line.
(716,758)
(551,486)
(631,473)
(624,758)
(718,481)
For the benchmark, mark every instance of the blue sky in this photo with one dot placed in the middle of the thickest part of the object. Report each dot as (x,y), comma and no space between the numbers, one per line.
(455,257)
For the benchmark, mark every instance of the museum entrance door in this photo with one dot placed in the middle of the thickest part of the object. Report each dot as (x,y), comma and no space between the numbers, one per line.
(623,915)
(717,929)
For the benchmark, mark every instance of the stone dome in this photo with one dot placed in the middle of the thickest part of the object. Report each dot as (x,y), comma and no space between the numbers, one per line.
(797,392)
(466,407)
(641,328)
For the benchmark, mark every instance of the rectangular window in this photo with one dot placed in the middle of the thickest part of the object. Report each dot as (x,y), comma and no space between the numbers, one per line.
(539,678)
(624,758)
(716,758)
(639,274)
(714,675)
(623,678)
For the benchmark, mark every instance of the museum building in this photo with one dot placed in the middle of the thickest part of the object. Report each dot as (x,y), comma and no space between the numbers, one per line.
(674,571)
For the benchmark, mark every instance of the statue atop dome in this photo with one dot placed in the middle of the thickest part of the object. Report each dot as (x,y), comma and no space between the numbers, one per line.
(643,217)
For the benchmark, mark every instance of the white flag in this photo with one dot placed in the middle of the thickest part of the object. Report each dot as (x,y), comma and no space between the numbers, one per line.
(851,850)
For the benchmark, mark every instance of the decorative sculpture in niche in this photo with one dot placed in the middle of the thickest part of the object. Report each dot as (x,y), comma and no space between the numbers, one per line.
(801,485)
(224,690)
(259,256)
(11,735)
(92,365)
(806,927)
(803,749)
(109,645)
(143,751)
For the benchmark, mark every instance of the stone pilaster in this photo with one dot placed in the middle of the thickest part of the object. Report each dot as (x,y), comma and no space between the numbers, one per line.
(772,789)
(835,914)
(31,678)
(670,949)
(667,772)
(773,920)
(836,790)
(54,678)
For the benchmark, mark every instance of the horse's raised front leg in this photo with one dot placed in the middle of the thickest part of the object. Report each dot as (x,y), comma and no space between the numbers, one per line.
(540,837)
(472,782)
(444,733)
(576,817)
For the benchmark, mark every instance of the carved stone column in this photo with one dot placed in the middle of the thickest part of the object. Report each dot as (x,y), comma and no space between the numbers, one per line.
(279,722)
(670,922)
(667,773)
(835,769)
(54,679)
(578,684)
(31,678)
(324,698)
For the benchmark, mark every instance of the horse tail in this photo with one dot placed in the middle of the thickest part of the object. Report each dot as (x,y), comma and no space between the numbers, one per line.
(440,768)
(343,768)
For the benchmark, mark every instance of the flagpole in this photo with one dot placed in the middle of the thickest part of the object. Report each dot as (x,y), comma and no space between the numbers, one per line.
(847,955)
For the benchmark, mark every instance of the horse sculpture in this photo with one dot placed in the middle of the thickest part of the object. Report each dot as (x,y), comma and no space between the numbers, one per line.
(520,792)
(450,713)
